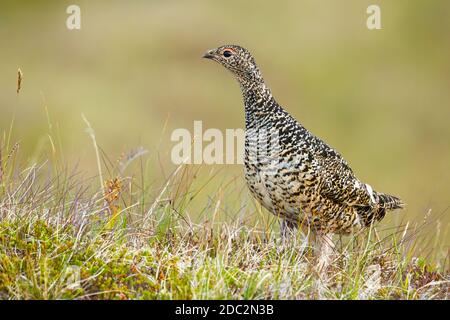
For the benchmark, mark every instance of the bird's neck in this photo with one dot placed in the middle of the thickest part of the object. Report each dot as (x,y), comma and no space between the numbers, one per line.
(255,94)
(259,103)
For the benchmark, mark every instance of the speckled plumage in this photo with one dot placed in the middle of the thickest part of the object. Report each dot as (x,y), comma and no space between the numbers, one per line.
(294,174)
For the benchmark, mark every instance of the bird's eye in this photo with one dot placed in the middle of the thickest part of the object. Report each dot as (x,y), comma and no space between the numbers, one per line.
(227,53)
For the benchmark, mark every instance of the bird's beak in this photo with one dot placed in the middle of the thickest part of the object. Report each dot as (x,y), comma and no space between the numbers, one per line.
(208,55)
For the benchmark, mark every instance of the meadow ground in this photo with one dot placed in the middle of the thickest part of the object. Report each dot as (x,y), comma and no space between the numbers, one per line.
(62,236)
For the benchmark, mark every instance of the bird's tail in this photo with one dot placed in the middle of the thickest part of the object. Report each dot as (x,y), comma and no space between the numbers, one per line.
(389,202)
(384,203)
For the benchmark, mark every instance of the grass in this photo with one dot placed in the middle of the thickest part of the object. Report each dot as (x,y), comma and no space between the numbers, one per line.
(64,237)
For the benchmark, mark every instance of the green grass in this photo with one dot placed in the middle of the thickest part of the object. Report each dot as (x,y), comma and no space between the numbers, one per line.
(62,237)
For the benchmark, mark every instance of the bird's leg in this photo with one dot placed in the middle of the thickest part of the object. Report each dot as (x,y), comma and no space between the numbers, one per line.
(324,248)
(287,230)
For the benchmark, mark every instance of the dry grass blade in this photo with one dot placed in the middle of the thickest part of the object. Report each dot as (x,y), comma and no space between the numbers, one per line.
(19,80)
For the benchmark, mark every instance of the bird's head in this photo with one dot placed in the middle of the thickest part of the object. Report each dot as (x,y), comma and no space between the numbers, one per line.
(238,60)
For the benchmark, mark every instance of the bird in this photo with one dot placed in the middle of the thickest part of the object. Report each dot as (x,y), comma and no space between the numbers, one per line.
(294,174)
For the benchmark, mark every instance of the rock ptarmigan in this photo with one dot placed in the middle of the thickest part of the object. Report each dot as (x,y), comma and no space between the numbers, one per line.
(291,172)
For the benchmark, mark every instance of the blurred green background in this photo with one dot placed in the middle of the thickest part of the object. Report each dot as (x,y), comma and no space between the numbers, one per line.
(381,97)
